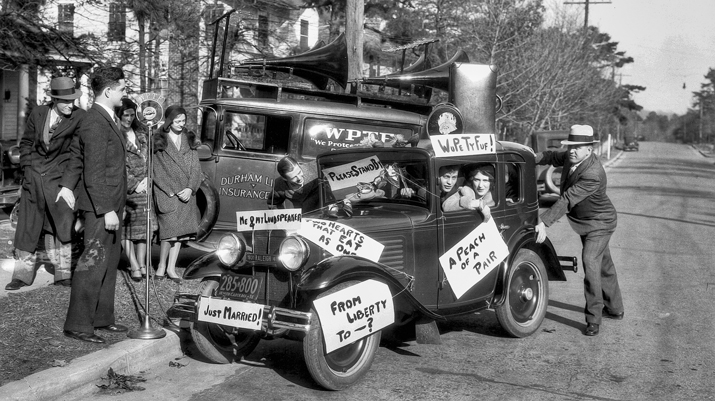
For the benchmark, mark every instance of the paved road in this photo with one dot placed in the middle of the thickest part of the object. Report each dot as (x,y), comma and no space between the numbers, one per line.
(663,350)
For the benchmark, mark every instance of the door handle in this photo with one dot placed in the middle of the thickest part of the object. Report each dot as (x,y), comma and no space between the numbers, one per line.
(503,227)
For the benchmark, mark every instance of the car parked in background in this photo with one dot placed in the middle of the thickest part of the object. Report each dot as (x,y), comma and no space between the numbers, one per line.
(548,177)
(10,178)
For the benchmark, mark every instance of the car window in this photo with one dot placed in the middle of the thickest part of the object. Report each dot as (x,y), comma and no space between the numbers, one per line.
(255,133)
(513,183)
(208,126)
(474,181)
(375,179)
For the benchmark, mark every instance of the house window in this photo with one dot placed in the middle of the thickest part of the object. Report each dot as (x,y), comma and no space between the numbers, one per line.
(303,34)
(213,11)
(65,18)
(117,22)
(262,30)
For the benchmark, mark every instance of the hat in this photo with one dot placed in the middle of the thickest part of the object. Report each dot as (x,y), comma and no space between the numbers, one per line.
(63,88)
(580,135)
(170,114)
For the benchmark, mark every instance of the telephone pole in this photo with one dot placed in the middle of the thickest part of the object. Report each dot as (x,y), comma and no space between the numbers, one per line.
(354,20)
(587,3)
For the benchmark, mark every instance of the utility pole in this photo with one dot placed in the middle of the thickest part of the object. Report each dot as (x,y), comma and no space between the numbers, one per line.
(586,2)
(354,20)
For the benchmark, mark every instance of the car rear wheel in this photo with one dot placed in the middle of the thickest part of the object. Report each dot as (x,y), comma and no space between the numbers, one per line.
(527,295)
(218,343)
(343,367)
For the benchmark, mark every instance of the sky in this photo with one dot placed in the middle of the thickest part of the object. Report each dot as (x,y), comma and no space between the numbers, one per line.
(672,43)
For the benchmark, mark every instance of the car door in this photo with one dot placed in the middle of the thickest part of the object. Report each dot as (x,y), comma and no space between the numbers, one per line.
(453,226)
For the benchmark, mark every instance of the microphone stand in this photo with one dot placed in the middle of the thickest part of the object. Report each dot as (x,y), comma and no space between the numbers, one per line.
(146,331)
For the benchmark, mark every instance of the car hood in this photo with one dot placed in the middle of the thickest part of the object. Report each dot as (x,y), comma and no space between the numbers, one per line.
(377,218)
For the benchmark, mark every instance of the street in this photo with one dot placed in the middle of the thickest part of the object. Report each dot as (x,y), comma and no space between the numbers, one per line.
(662,350)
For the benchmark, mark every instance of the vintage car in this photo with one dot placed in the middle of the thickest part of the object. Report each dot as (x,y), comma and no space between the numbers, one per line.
(374,249)
(548,177)
(272,278)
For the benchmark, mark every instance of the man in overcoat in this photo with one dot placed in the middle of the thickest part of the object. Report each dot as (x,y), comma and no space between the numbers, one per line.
(98,157)
(592,216)
(44,156)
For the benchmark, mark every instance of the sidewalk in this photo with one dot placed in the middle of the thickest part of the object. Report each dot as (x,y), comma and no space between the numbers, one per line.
(129,357)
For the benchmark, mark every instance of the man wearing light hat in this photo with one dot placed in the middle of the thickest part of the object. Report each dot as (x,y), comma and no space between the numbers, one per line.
(44,153)
(592,215)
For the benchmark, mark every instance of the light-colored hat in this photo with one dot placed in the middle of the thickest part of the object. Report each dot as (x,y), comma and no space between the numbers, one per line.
(63,88)
(580,135)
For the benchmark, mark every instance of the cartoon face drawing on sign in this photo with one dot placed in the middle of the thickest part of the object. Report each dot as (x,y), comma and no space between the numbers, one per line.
(447,123)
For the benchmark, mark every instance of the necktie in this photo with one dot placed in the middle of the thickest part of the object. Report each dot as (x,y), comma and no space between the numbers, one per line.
(51,130)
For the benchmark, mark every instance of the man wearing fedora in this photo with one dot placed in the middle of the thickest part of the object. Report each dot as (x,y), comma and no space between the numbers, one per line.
(44,155)
(592,216)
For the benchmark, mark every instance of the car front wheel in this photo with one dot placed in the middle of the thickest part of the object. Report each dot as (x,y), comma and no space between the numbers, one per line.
(527,295)
(343,367)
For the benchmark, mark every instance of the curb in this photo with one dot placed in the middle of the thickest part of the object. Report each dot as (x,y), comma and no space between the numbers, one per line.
(124,357)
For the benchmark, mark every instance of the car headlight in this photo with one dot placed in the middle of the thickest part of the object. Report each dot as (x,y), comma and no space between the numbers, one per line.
(293,253)
(230,249)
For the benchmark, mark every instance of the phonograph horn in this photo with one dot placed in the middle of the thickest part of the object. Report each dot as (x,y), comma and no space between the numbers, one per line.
(437,77)
(316,65)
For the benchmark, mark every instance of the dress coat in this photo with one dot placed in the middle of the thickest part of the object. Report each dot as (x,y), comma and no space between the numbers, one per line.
(43,167)
(135,217)
(175,169)
(583,194)
(97,171)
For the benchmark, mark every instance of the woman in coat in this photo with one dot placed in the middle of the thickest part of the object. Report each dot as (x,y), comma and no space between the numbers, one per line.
(177,177)
(134,237)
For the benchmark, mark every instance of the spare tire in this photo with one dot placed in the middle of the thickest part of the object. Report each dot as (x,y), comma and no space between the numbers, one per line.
(208,202)
(552,179)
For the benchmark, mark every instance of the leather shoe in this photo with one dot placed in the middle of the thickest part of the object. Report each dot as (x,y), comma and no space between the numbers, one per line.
(615,316)
(591,329)
(15,284)
(64,283)
(82,336)
(114,328)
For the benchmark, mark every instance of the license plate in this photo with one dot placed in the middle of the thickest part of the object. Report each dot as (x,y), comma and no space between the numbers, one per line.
(254,257)
(239,286)
(226,312)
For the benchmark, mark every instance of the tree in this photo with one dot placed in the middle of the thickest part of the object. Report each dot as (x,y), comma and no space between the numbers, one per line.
(27,39)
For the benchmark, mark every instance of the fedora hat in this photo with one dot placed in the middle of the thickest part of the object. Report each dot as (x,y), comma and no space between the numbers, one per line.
(580,135)
(63,88)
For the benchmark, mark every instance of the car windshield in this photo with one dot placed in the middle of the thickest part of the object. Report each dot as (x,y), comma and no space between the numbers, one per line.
(367,177)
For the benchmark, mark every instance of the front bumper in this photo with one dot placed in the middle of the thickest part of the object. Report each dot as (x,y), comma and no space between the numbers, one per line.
(274,317)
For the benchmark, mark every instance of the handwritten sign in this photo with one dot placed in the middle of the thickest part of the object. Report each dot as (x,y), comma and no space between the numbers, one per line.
(463,144)
(239,314)
(354,312)
(472,258)
(351,174)
(339,239)
(277,219)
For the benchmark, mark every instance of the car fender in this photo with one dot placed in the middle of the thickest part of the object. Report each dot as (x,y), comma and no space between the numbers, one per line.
(526,239)
(206,265)
(335,270)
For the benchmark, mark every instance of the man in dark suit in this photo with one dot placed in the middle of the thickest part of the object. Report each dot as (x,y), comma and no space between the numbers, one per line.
(44,156)
(592,215)
(98,157)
